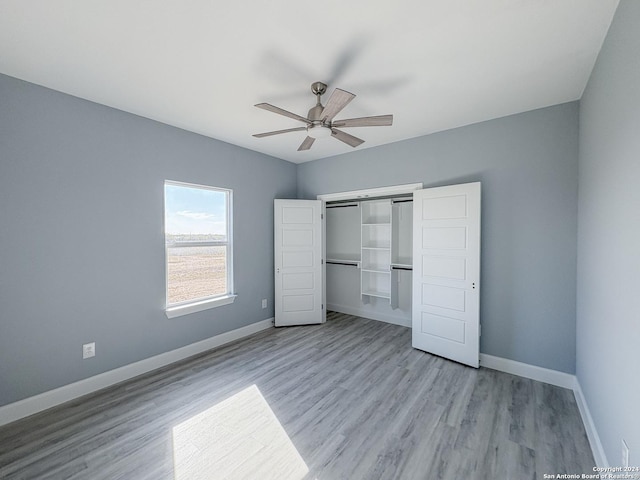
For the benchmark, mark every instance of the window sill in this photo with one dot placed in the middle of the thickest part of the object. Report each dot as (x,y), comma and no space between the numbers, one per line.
(180,310)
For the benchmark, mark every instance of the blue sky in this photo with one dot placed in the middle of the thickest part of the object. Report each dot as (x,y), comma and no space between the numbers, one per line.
(194,210)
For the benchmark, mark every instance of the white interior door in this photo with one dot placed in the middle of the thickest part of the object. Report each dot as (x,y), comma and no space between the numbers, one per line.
(298,262)
(446,272)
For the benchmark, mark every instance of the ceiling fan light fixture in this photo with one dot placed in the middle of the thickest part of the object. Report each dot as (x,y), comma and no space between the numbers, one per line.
(318,131)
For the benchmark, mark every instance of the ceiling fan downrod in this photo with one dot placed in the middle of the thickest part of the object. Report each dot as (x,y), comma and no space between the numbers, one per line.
(318,89)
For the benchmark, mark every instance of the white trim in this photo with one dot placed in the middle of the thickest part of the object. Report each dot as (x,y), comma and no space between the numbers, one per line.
(371,192)
(361,312)
(592,433)
(546,375)
(323,234)
(29,406)
(559,379)
(230,297)
(180,310)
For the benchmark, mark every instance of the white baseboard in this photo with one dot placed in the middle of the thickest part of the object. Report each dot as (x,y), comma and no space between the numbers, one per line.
(559,379)
(361,312)
(546,375)
(29,406)
(594,439)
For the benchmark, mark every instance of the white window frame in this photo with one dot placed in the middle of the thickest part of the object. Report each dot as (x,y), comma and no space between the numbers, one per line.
(205,303)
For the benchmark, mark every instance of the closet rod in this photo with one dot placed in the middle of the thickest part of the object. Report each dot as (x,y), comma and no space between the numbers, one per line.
(404,200)
(395,198)
(348,264)
(394,267)
(343,205)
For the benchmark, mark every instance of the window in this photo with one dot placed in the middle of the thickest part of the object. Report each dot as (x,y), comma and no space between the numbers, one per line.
(198,247)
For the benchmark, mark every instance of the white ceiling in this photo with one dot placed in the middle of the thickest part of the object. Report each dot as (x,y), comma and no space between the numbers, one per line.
(202,65)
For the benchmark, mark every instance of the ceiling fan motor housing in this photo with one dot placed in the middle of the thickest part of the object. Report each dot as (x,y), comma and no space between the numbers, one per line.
(315,113)
(317,128)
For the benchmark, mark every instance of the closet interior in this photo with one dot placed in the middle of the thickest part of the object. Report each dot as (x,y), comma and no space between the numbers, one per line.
(369,258)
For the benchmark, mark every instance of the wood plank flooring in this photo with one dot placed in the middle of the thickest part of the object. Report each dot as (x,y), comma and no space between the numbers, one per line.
(349,399)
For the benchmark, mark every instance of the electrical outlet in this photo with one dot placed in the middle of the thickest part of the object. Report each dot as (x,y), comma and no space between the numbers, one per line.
(89,350)
(264,303)
(625,454)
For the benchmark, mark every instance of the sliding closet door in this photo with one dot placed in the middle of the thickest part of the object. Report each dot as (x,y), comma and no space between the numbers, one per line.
(298,262)
(446,272)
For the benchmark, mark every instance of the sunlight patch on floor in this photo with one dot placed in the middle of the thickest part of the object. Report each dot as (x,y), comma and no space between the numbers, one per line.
(238,438)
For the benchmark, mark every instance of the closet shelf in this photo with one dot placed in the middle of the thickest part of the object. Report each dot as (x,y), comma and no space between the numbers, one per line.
(375,270)
(371,246)
(373,293)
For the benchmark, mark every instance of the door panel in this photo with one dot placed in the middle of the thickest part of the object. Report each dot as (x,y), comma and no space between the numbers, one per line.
(297,259)
(451,298)
(446,243)
(297,214)
(298,262)
(295,281)
(297,303)
(454,206)
(443,327)
(444,238)
(292,238)
(452,268)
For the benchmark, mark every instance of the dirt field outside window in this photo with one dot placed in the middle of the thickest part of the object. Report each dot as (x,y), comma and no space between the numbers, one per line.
(196,272)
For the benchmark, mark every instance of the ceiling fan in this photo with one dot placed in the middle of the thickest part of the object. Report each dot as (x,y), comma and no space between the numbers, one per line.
(320,121)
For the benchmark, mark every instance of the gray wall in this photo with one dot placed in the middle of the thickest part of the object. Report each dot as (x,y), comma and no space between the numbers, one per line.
(82,254)
(81,235)
(527,164)
(608,318)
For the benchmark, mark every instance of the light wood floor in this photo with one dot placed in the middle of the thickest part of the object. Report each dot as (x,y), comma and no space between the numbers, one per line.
(349,399)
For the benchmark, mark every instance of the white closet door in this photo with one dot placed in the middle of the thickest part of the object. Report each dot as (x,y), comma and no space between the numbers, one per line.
(298,262)
(446,272)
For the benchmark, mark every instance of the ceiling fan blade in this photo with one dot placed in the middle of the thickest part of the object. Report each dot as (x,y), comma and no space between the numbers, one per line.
(337,101)
(346,138)
(278,132)
(280,111)
(306,144)
(378,121)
